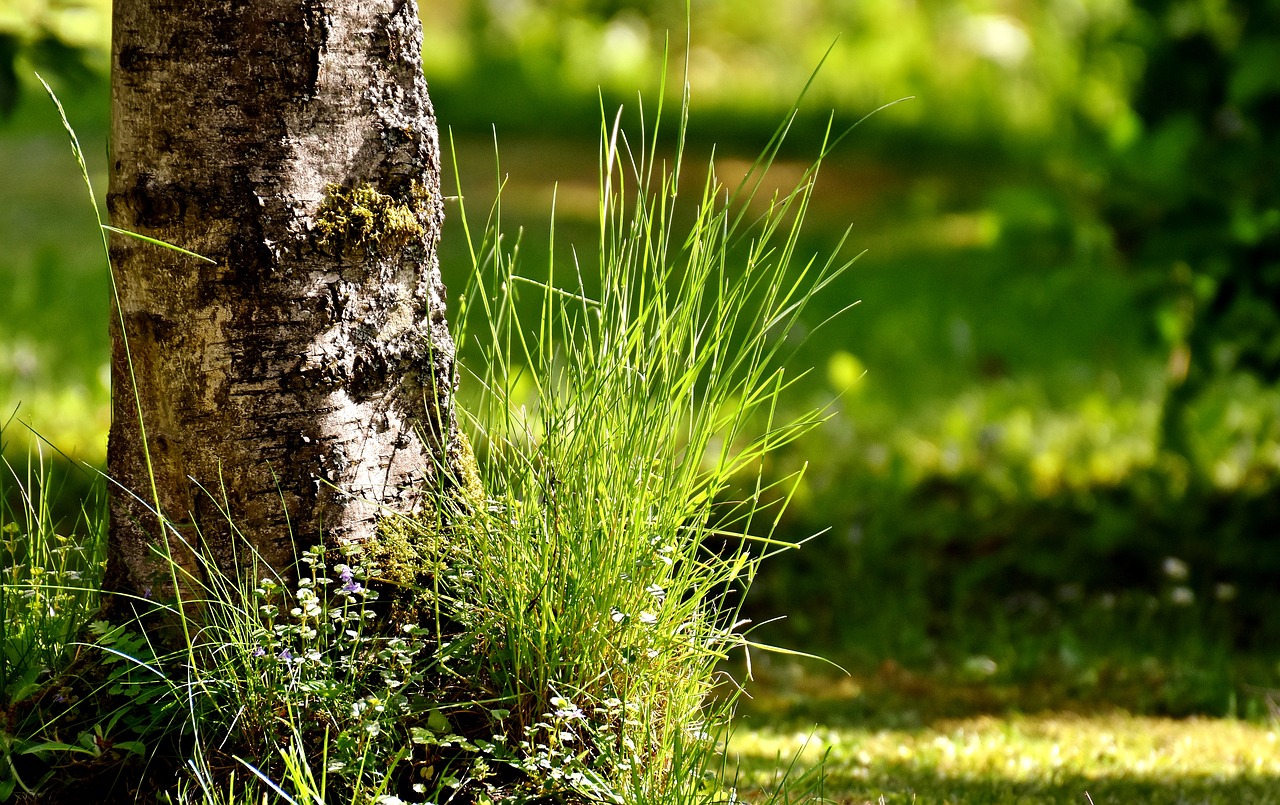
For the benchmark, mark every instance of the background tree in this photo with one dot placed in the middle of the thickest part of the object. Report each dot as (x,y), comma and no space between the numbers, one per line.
(300,379)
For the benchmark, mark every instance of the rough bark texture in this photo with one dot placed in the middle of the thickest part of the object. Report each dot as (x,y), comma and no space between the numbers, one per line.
(304,381)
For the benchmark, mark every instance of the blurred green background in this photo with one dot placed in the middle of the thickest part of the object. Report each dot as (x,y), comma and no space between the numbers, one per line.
(1054,452)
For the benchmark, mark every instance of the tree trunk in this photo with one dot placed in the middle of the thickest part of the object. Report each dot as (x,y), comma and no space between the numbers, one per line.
(302,382)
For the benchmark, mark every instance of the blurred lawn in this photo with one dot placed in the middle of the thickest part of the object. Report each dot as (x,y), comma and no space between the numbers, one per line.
(1045,758)
(996,502)
(56,289)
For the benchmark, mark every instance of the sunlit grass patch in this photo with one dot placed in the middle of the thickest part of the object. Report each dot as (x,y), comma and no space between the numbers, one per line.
(1053,757)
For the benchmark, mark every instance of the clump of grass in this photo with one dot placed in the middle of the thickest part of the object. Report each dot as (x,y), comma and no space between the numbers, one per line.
(602,580)
(572,620)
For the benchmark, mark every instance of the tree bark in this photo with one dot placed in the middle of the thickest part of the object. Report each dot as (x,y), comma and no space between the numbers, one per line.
(302,383)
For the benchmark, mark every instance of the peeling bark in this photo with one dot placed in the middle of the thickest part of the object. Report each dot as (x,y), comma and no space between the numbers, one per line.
(305,381)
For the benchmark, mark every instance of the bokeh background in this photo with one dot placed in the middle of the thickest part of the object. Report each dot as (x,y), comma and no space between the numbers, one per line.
(1052,462)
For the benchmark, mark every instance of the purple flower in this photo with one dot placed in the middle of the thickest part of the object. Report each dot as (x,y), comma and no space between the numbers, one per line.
(259,651)
(285,655)
(349,584)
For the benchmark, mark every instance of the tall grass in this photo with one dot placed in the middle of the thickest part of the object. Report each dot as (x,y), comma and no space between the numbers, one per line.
(570,611)
(50,572)
(622,437)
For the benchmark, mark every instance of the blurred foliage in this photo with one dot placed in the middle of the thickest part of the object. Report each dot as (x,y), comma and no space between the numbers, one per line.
(1194,196)
(68,39)
(1153,124)
(981,71)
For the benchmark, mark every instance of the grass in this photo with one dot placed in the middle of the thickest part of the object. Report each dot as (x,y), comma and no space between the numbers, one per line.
(895,736)
(1044,758)
(890,737)
(972,449)
(51,576)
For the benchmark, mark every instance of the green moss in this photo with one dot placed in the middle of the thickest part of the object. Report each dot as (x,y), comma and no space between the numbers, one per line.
(409,551)
(398,551)
(468,490)
(367,220)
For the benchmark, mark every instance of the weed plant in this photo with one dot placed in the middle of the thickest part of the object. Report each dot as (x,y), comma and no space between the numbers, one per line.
(570,614)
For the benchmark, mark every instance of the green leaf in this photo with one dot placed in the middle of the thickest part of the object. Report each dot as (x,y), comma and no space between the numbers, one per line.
(25,691)
(438,723)
(54,746)
(134,747)
(155,242)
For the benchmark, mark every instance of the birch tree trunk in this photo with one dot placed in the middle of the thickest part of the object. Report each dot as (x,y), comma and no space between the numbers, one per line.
(303,380)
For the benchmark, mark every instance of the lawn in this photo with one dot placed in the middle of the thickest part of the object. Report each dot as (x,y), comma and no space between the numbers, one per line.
(896,736)
(1042,758)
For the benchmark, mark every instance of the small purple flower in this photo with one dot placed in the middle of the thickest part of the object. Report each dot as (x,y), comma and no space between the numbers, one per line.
(285,655)
(349,584)
(259,651)
(147,592)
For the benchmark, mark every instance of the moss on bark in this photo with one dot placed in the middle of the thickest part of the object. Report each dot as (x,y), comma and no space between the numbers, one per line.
(368,220)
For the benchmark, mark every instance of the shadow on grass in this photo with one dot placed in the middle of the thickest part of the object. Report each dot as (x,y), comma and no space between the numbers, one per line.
(894,698)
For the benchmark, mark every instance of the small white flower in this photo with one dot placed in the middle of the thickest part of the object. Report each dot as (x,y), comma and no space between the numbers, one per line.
(648,618)
(1175,568)
(1182,596)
